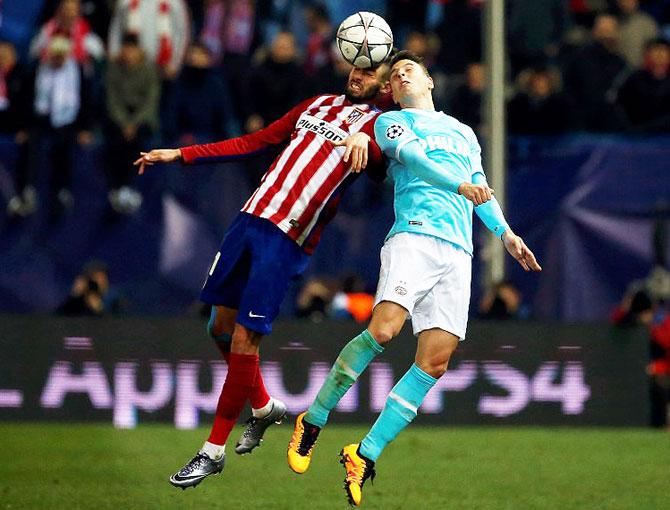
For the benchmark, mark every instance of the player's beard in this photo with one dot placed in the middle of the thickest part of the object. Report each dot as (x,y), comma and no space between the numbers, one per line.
(365,94)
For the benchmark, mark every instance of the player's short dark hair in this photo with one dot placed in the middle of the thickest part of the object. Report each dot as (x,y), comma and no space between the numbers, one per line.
(408,55)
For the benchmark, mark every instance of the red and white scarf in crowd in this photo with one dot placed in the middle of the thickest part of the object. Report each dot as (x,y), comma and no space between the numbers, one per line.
(58,92)
(228,27)
(213,28)
(239,27)
(162,21)
(77,35)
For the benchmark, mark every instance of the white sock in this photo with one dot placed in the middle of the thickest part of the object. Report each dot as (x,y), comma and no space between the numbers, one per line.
(213,451)
(263,411)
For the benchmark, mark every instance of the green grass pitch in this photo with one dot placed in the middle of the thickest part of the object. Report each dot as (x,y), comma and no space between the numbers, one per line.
(73,466)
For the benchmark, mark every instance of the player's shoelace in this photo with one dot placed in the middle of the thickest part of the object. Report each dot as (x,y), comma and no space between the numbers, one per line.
(196,462)
(309,436)
(358,473)
(249,431)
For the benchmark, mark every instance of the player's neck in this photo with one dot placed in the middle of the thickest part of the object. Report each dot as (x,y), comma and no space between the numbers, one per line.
(420,103)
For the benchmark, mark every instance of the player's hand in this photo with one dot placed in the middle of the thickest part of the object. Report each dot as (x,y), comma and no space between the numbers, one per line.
(357,150)
(478,194)
(518,249)
(156,156)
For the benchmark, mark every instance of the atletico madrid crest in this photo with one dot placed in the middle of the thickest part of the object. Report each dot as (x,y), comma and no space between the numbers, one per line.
(354,116)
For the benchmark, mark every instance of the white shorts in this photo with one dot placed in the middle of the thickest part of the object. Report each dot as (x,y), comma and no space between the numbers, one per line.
(430,278)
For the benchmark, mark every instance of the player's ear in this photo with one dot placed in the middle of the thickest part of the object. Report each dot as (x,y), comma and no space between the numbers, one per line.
(386,87)
(431,84)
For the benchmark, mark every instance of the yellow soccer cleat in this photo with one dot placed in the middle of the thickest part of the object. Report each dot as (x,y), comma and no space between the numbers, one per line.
(358,470)
(302,444)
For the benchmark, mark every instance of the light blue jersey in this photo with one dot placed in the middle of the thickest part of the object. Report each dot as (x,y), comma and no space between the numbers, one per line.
(426,197)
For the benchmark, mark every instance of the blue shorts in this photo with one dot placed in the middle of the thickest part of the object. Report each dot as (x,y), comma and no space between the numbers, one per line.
(252,271)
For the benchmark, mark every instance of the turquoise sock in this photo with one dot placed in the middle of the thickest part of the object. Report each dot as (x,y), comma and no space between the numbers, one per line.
(224,337)
(352,361)
(399,411)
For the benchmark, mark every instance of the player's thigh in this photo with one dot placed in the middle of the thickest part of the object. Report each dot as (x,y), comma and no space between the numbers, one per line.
(229,271)
(434,348)
(409,269)
(446,305)
(276,261)
(224,320)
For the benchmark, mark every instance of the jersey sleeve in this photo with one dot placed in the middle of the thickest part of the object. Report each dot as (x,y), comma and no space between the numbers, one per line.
(247,145)
(398,141)
(392,133)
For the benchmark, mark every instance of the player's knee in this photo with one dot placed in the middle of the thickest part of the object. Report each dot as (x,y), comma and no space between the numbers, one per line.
(218,333)
(387,322)
(217,328)
(383,333)
(434,368)
(245,341)
(435,364)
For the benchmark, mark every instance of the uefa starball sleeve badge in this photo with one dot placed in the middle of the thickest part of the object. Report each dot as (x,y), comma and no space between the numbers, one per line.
(394,131)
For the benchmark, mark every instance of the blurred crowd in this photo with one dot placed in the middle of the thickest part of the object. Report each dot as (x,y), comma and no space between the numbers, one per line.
(131,73)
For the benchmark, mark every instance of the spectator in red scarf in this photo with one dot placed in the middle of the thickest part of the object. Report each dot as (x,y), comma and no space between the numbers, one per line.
(161,26)
(60,118)
(68,22)
(230,32)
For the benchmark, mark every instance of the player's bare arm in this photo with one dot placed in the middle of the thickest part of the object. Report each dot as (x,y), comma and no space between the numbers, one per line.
(356,150)
(156,156)
(478,194)
(518,249)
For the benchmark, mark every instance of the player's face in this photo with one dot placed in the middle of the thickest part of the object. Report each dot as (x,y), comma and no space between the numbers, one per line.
(364,84)
(408,79)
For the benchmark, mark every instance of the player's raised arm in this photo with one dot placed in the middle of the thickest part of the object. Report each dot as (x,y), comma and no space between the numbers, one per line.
(228,150)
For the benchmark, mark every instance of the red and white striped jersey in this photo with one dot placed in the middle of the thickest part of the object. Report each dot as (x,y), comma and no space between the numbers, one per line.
(301,190)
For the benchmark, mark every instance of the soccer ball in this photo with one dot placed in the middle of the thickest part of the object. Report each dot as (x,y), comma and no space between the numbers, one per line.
(364,39)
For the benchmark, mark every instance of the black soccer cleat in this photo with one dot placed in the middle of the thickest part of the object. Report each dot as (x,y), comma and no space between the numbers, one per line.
(196,470)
